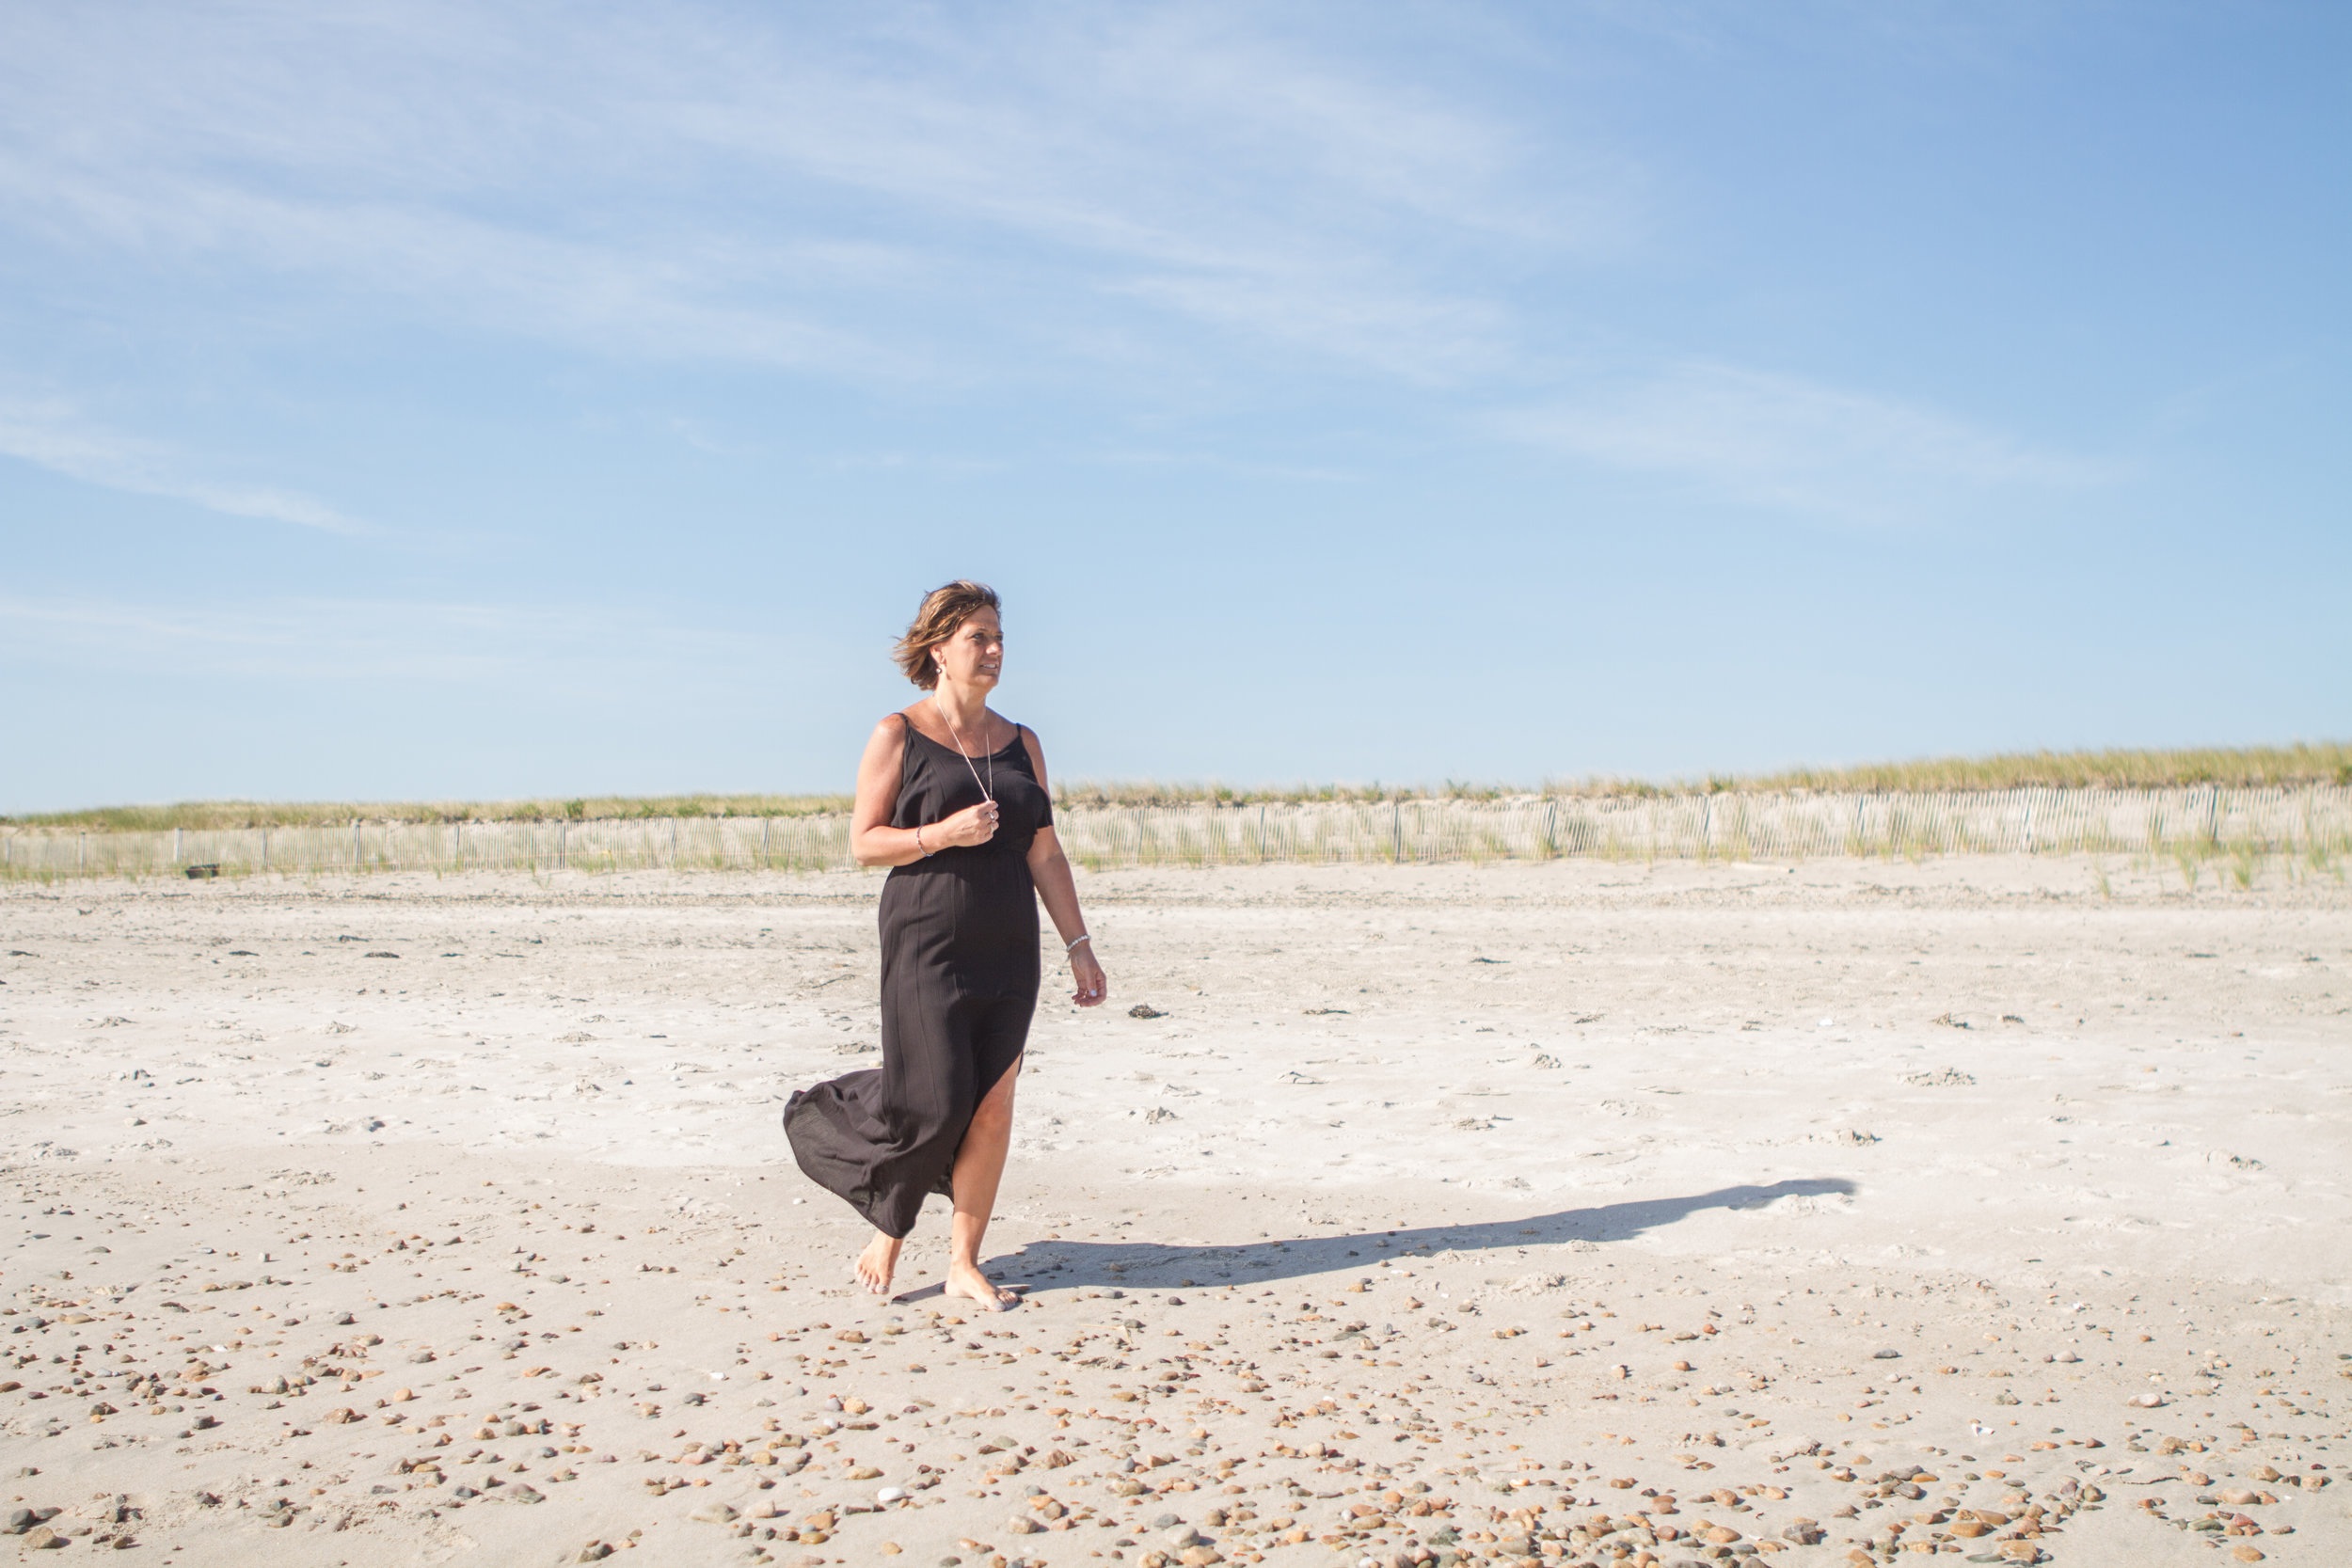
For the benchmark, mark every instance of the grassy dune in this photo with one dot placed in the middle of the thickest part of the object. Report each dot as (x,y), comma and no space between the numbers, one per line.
(2322,762)
(206,816)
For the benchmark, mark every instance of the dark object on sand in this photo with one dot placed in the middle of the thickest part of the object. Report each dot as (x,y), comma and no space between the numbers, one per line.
(1145,1010)
(199,872)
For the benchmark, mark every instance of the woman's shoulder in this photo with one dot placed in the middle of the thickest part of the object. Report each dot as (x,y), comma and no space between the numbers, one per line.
(1013,731)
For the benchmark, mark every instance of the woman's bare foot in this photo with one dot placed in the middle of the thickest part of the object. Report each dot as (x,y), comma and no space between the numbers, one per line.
(878,1262)
(966,1280)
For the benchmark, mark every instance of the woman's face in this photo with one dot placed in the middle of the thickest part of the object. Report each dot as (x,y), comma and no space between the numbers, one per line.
(973,654)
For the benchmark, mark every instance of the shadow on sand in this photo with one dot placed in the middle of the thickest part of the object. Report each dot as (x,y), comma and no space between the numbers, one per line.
(1143,1265)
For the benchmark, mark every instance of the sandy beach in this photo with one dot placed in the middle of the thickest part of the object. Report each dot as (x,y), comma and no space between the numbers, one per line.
(1574,1213)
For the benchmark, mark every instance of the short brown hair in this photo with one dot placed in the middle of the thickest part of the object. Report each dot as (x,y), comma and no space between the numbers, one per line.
(944,610)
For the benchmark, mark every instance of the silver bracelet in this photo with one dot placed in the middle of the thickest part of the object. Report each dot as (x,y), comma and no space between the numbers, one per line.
(1073,942)
(918,844)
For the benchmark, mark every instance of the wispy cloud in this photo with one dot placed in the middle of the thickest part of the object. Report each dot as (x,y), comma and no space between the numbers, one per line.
(1795,444)
(1416,335)
(733,185)
(49,434)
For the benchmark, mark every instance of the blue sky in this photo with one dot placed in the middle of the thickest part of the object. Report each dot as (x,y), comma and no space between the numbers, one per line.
(411,399)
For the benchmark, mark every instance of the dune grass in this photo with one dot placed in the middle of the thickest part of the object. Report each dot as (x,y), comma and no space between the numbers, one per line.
(2249,766)
(207,816)
(2302,762)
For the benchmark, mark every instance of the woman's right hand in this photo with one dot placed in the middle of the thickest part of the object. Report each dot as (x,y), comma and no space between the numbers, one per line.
(972,825)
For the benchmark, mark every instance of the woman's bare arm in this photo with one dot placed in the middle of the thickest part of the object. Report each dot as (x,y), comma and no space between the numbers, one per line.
(1049,869)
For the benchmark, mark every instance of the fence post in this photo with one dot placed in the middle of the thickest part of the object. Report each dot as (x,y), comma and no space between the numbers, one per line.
(266,848)
(81,853)
(563,843)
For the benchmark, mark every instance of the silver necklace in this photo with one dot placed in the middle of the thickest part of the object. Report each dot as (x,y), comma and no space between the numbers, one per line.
(988,790)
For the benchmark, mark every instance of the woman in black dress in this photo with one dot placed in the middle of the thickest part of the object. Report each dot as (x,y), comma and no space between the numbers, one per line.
(953,799)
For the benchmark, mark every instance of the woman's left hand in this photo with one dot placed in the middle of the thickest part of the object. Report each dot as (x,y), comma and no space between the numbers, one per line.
(1092,986)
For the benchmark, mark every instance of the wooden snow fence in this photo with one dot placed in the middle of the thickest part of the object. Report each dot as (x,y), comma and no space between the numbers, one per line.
(1732,825)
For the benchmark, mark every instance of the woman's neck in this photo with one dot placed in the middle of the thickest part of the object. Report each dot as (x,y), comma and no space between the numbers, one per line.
(966,709)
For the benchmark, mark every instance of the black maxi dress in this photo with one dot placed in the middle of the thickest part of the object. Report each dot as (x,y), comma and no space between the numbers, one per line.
(959,985)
